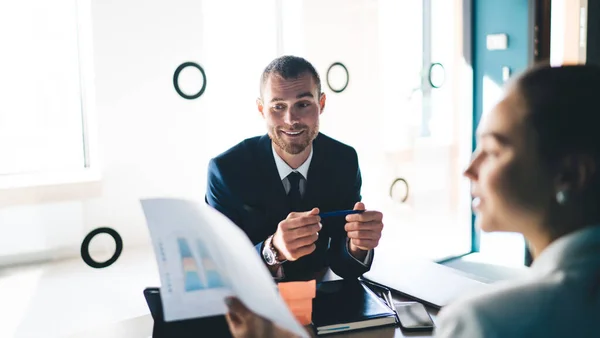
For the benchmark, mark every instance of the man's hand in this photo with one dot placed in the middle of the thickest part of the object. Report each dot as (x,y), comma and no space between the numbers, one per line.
(364,230)
(296,235)
(243,323)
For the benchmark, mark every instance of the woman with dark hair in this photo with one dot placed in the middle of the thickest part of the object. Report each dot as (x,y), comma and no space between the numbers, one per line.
(536,171)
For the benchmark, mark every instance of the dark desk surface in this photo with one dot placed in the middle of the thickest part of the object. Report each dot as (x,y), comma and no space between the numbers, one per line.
(141,327)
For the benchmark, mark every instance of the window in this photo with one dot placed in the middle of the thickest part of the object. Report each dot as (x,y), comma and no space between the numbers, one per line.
(43,128)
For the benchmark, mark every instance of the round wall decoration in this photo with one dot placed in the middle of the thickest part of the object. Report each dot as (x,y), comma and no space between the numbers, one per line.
(337,77)
(189,72)
(399,190)
(85,247)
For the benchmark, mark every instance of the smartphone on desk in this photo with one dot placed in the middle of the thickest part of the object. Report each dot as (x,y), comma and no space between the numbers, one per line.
(413,316)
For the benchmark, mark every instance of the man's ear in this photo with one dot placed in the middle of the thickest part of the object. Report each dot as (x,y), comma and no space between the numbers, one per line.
(259,105)
(322,100)
(576,173)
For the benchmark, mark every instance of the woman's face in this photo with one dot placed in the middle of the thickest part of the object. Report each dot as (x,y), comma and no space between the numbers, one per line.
(511,188)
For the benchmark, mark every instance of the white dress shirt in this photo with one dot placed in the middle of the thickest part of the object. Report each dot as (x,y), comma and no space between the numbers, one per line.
(558,297)
(284,170)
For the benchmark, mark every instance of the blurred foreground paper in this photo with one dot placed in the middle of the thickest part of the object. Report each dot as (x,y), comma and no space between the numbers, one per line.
(202,258)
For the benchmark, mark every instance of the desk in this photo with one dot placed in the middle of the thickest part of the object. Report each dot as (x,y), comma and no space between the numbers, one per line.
(141,327)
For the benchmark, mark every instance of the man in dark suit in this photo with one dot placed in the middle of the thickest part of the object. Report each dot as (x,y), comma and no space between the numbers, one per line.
(274,186)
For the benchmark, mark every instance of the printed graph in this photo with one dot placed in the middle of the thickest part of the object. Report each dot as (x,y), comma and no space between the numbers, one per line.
(198,275)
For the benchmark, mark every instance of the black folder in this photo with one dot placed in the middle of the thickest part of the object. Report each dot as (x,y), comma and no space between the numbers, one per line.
(346,305)
(215,326)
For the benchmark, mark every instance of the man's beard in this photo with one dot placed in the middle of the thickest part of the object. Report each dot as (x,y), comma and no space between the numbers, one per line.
(298,146)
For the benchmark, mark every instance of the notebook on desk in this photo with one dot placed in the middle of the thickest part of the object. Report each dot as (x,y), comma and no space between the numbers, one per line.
(346,305)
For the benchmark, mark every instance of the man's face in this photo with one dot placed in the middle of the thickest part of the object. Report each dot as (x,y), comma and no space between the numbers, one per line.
(291,108)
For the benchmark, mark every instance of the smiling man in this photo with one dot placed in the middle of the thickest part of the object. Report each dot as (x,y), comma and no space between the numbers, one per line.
(275,186)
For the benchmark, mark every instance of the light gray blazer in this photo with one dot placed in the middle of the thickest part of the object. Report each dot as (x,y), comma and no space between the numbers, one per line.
(558,297)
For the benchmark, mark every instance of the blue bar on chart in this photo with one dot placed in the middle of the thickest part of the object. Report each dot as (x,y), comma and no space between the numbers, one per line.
(213,277)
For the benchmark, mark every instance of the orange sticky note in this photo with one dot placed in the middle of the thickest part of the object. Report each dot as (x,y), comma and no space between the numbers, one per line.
(298,290)
(300,305)
(303,315)
(298,296)
(305,319)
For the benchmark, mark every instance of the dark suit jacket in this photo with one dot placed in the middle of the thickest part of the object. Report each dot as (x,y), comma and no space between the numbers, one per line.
(244,185)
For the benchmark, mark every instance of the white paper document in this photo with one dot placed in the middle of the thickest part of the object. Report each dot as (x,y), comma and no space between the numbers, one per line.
(202,258)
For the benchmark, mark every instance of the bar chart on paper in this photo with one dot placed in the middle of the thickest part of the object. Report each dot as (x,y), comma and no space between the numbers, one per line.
(203,258)
(194,286)
(198,275)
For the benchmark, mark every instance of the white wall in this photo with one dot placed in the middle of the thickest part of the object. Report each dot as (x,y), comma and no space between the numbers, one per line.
(152,142)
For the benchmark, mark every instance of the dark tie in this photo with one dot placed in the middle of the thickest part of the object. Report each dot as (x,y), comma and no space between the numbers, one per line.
(294,194)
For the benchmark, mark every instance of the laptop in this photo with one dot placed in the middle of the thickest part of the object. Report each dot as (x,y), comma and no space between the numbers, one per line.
(215,326)
(425,281)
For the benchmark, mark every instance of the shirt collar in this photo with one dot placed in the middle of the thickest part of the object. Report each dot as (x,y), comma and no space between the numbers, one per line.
(578,246)
(284,169)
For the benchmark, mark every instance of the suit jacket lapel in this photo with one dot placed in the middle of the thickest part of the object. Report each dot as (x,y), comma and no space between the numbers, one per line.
(274,191)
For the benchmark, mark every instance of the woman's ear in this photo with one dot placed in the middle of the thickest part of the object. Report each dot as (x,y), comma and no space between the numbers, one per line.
(575,173)
(586,171)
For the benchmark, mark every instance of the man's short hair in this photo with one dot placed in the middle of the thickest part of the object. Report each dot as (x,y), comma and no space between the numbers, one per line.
(289,67)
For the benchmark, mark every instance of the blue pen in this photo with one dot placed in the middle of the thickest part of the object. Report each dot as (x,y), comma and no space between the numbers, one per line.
(340,213)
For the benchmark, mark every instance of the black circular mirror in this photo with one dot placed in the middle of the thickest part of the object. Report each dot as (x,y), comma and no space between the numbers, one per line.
(188,77)
(85,248)
(337,77)
(437,75)
(399,190)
